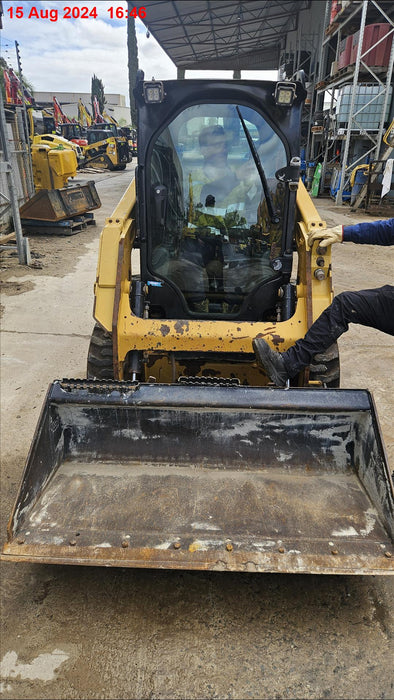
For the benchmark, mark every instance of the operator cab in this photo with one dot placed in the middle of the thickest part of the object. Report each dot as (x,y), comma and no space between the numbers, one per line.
(97,134)
(218,228)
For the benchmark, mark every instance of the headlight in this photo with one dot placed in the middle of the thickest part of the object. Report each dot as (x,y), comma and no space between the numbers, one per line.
(153,92)
(285,94)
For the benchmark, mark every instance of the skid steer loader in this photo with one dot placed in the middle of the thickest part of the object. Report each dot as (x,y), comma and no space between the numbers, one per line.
(176,452)
(106,149)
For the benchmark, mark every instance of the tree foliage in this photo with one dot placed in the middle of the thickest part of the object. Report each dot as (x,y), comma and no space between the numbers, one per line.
(98,91)
(132,49)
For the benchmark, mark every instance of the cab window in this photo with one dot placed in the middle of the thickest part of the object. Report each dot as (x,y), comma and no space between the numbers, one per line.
(211,232)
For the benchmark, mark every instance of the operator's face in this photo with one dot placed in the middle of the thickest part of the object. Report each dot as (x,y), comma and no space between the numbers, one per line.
(215,146)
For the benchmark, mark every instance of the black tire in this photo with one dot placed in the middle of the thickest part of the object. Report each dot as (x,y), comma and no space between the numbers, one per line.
(331,376)
(100,355)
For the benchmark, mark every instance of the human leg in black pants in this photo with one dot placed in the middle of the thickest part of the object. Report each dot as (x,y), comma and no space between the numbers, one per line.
(369,307)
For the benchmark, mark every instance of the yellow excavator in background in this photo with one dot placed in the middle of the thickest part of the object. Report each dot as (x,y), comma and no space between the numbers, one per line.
(127,132)
(84,116)
(108,118)
(175,451)
(124,132)
(66,127)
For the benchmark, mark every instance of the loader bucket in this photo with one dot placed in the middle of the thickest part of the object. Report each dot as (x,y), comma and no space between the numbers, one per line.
(206,477)
(56,205)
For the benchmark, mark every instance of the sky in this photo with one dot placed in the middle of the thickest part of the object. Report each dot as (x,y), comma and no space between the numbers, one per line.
(63,55)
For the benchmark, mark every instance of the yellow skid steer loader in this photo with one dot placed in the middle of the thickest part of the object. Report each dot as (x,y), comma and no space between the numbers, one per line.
(106,149)
(175,451)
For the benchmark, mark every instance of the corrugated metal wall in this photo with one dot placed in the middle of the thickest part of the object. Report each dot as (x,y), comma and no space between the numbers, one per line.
(19,155)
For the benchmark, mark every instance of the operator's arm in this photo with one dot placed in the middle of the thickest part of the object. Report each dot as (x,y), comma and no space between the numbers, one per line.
(369,232)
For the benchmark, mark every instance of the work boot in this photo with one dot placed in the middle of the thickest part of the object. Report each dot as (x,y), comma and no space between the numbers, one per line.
(272,362)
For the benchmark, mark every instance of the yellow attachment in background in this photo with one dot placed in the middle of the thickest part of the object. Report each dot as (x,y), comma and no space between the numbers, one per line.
(364,167)
(52,167)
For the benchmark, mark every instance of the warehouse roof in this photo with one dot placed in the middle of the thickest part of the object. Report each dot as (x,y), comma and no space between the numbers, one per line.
(222,35)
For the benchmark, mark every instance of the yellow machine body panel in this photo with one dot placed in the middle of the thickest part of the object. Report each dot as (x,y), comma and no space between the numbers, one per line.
(55,141)
(157,337)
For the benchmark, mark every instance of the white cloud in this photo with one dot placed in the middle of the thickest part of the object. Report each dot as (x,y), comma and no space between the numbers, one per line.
(62,56)
(151,57)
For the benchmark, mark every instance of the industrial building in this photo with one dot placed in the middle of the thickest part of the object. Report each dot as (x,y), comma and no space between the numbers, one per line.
(346,51)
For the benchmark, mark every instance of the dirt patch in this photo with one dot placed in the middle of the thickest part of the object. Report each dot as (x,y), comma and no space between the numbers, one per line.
(334,215)
(11,288)
(51,255)
(56,255)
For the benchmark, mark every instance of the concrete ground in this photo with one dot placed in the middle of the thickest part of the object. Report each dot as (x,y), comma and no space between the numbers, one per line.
(81,632)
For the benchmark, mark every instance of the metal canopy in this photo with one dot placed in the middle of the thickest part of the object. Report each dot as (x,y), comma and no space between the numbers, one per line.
(222,35)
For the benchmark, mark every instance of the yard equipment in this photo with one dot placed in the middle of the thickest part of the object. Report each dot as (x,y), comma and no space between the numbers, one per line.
(131,135)
(105,150)
(84,116)
(55,161)
(64,203)
(74,132)
(176,452)
(108,147)
(66,127)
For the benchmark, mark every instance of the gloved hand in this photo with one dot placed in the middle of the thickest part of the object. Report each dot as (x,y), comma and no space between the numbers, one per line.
(327,237)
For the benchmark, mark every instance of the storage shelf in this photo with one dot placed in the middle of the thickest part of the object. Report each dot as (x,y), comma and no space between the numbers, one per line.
(346,75)
(353,10)
(365,21)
